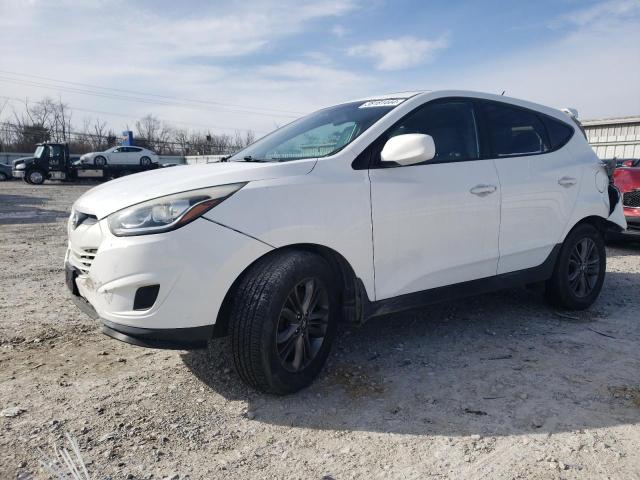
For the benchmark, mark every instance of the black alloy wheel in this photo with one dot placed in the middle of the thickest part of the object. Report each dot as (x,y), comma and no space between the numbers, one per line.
(584,267)
(302,325)
(580,269)
(283,318)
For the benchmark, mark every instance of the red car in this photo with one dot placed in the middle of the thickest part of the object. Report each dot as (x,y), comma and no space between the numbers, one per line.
(627,178)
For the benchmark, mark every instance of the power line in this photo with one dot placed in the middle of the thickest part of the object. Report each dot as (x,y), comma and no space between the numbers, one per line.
(218,127)
(211,102)
(130,98)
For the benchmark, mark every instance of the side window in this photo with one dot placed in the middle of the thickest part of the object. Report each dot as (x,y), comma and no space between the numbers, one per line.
(133,149)
(514,131)
(452,125)
(118,150)
(55,150)
(559,132)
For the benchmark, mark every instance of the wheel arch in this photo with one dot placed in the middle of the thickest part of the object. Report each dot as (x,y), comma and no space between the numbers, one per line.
(601,224)
(341,268)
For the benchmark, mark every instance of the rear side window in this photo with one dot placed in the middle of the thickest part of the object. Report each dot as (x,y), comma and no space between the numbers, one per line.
(514,131)
(452,125)
(559,132)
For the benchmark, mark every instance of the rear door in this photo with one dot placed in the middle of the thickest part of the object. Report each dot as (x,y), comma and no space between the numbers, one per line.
(539,181)
(135,153)
(435,223)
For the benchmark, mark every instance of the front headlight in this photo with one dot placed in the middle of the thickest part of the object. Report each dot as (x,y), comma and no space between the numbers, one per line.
(20,166)
(170,212)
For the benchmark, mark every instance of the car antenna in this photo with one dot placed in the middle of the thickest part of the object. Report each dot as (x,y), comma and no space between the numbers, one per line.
(502,94)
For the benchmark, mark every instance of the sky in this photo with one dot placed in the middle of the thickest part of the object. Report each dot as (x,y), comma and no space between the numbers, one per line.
(258,64)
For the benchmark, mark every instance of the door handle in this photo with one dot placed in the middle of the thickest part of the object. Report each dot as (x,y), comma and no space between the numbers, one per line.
(567,182)
(483,190)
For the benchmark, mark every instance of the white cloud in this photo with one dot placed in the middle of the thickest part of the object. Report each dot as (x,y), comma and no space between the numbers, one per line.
(591,68)
(339,31)
(400,53)
(118,44)
(604,14)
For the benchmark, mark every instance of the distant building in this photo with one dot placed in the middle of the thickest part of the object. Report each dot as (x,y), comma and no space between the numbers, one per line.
(614,137)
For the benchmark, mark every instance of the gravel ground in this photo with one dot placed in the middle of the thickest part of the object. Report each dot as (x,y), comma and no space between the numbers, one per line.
(498,386)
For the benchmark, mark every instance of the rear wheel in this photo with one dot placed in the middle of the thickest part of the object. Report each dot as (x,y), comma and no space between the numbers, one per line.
(283,321)
(145,161)
(99,161)
(35,177)
(579,271)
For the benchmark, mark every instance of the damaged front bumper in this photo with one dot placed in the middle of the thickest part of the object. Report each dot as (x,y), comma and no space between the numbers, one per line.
(167,338)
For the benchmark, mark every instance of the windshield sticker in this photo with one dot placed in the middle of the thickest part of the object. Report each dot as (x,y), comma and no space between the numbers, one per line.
(387,102)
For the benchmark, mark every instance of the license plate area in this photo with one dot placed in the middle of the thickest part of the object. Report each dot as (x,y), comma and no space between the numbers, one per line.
(58,175)
(90,173)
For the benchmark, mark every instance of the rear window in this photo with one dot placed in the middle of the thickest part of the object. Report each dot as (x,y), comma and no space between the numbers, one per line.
(514,131)
(559,132)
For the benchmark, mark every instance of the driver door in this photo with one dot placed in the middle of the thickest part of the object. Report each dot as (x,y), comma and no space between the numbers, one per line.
(118,156)
(435,223)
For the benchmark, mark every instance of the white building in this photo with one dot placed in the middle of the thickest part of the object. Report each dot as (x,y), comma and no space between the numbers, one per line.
(614,137)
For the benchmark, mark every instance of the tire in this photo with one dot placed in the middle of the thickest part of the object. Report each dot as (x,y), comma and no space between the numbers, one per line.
(99,161)
(145,161)
(264,339)
(35,177)
(3,177)
(579,271)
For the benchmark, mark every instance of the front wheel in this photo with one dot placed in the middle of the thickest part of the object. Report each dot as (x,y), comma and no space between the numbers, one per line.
(3,177)
(283,320)
(35,177)
(99,161)
(145,161)
(579,271)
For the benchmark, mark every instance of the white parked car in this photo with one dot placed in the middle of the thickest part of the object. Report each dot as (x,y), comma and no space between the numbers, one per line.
(121,156)
(361,209)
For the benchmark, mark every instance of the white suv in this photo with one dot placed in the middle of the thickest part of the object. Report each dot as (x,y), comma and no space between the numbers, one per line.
(361,209)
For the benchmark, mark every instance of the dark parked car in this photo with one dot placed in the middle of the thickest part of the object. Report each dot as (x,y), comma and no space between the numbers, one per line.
(5,172)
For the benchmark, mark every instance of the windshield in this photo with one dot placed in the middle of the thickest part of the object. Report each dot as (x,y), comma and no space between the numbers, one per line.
(319,134)
(39,151)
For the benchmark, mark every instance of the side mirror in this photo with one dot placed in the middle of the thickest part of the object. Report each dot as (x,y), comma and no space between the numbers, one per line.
(409,149)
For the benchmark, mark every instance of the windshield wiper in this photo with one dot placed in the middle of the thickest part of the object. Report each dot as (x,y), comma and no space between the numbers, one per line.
(249,158)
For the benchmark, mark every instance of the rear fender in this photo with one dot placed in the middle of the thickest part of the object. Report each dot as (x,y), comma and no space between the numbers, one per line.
(616,215)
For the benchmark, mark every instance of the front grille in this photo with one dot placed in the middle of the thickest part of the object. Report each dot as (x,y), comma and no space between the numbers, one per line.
(631,199)
(82,258)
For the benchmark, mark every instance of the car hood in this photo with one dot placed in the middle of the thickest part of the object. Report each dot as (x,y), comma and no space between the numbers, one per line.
(22,160)
(132,189)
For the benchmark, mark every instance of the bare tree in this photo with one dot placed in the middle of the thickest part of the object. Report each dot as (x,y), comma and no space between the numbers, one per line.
(181,139)
(60,124)
(49,120)
(249,138)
